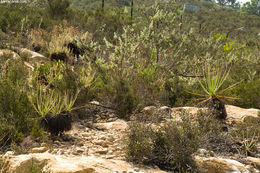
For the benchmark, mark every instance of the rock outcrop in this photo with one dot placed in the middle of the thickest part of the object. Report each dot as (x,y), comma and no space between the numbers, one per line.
(234,114)
(219,165)
(73,164)
(31,56)
(254,161)
(97,146)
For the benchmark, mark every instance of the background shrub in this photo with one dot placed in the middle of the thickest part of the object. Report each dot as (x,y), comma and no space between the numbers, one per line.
(169,146)
(15,108)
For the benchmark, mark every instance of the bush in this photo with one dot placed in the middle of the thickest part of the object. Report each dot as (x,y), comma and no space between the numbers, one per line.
(248,94)
(58,8)
(248,133)
(125,100)
(169,146)
(15,107)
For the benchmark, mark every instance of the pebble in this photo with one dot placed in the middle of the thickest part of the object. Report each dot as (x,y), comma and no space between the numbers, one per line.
(57,142)
(39,150)
(102,151)
(98,142)
(79,150)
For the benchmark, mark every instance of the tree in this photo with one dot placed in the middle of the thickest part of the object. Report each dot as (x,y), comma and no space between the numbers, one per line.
(222,2)
(58,8)
(103,4)
(252,7)
(132,8)
(233,3)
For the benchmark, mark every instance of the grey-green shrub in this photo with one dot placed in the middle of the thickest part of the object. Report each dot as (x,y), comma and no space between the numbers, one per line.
(169,146)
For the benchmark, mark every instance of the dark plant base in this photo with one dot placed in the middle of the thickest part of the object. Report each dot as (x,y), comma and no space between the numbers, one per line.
(75,49)
(36,48)
(59,56)
(217,107)
(56,124)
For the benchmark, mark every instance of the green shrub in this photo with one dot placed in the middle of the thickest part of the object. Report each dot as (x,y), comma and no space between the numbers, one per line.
(248,94)
(169,146)
(15,107)
(125,100)
(15,111)
(139,143)
(56,75)
(58,8)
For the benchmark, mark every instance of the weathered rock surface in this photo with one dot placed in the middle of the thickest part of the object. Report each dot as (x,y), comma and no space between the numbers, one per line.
(31,56)
(62,164)
(239,114)
(234,113)
(99,147)
(39,150)
(254,161)
(116,125)
(219,165)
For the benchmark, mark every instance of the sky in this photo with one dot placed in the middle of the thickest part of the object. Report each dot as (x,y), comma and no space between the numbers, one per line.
(243,1)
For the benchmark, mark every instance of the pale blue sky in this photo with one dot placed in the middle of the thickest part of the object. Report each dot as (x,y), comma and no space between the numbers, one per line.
(243,1)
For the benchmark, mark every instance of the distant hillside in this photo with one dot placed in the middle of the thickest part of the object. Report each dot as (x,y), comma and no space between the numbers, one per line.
(93,4)
(210,18)
(221,19)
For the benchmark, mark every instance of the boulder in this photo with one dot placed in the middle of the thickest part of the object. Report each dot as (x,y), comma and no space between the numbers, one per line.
(254,161)
(191,8)
(39,150)
(239,114)
(62,164)
(149,110)
(115,125)
(31,57)
(234,114)
(219,165)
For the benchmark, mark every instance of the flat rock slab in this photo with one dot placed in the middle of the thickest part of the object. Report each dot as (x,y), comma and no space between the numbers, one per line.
(62,164)
(116,125)
(234,113)
(237,113)
(255,161)
(219,165)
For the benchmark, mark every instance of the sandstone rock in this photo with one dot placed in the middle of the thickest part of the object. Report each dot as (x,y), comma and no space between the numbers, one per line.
(190,110)
(234,114)
(239,114)
(149,110)
(219,165)
(204,153)
(39,150)
(255,161)
(95,102)
(98,142)
(79,150)
(165,108)
(102,151)
(62,164)
(31,56)
(28,65)
(27,143)
(116,125)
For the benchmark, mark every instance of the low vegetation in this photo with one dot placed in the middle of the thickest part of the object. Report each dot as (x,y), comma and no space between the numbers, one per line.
(157,57)
(169,146)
